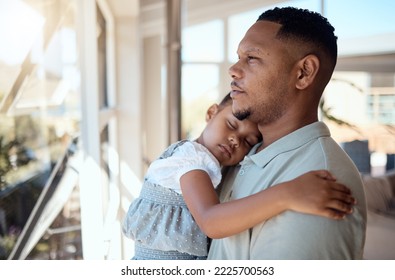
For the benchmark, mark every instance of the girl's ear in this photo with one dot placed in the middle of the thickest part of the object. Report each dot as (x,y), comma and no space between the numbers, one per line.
(307,71)
(211,112)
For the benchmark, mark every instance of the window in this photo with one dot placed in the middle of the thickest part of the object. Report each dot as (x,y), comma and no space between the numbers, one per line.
(39,108)
(200,73)
(381,105)
(362,26)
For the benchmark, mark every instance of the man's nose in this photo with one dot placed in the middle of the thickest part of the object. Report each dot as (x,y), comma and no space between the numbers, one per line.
(234,71)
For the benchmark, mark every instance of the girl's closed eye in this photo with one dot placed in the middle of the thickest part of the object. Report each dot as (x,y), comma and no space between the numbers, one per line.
(248,143)
(231,125)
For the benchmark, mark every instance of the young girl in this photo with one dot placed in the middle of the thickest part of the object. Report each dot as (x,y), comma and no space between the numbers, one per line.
(178,206)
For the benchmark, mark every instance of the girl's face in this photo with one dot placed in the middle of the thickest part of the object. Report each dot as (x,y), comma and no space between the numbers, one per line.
(226,137)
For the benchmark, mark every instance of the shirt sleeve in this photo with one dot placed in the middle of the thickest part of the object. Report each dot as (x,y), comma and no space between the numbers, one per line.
(189,156)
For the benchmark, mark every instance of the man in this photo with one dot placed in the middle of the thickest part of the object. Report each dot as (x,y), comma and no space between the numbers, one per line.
(285,61)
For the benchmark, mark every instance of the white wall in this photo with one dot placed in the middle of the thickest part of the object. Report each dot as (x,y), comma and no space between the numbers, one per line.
(128,57)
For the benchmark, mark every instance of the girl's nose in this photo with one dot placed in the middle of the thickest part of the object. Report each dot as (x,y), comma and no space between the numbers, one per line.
(234,141)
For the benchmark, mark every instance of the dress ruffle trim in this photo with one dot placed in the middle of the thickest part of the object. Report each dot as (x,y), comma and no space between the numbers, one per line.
(159,219)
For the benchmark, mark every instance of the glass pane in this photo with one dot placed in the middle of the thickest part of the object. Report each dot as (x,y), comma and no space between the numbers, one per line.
(40,112)
(361,106)
(356,18)
(20,25)
(199,91)
(363,26)
(195,46)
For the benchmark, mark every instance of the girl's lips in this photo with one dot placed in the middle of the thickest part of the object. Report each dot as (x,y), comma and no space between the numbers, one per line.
(226,150)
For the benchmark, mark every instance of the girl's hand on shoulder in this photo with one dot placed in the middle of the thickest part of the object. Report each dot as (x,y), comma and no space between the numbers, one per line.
(318,193)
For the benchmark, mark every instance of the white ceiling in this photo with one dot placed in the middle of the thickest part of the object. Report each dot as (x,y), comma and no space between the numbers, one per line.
(125,8)
(197,9)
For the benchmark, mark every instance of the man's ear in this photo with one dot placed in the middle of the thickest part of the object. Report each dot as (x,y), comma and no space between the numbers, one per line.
(307,71)
(211,112)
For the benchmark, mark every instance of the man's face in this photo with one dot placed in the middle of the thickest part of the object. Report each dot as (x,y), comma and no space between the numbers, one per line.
(262,76)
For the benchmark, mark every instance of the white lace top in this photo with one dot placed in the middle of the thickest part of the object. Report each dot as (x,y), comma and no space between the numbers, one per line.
(189,156)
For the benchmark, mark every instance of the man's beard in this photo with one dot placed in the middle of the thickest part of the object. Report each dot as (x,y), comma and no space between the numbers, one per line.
(267,114)
(242,115)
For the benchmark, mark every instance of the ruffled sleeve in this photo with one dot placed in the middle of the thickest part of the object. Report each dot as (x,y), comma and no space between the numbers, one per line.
(189,156)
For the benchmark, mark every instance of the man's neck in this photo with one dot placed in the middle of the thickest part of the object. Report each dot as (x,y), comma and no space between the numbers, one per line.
(274,131)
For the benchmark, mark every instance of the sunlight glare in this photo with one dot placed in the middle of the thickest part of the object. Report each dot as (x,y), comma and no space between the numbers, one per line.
(19,28)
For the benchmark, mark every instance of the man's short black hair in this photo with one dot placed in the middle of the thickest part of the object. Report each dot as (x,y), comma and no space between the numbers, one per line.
(304,26)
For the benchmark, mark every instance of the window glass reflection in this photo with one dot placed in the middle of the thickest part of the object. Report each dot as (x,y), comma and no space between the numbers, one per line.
(203,42)
(199,91)
(39,104)
(355,18)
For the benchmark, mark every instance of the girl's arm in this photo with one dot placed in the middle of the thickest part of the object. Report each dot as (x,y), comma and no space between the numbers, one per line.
(315,192)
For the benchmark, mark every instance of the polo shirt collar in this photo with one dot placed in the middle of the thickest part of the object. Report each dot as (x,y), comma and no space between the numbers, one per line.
(289,142)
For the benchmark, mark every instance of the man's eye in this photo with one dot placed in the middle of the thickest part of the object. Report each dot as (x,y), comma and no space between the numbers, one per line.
(231,125)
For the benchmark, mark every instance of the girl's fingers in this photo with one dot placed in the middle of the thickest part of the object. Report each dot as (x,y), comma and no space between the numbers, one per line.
(344,197)
(337,187)
(333,214)
(341,206)
(324,174)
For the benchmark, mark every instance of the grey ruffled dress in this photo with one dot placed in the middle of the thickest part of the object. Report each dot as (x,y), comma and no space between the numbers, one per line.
(161,225)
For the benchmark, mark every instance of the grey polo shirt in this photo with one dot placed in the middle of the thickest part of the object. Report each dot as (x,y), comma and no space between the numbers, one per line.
(292,235)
